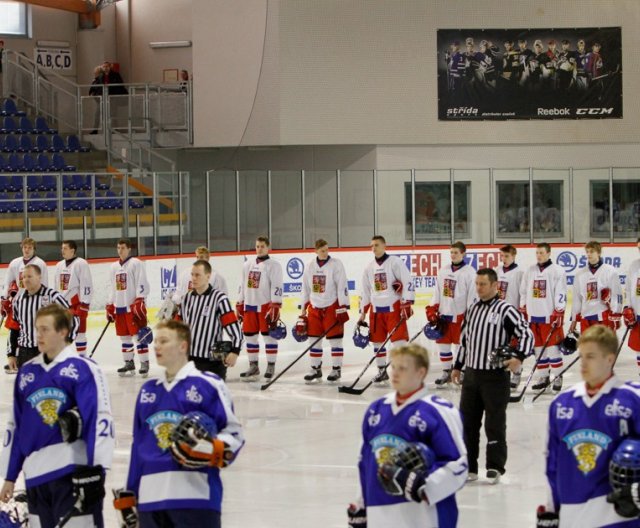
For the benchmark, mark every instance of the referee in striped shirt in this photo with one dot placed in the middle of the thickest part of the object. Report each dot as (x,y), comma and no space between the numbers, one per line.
(490,323)
(25,308)
(208,311)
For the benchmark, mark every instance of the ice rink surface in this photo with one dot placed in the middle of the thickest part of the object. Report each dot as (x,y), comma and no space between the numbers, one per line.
(298,466)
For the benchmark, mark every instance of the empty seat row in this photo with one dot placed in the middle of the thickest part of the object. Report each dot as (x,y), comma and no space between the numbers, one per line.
(48,182)
(9,108)
(27,163)
(24,143)
(48,202)
(24,126)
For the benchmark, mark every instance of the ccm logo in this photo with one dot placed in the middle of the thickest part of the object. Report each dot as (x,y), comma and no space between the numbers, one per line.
(594,111)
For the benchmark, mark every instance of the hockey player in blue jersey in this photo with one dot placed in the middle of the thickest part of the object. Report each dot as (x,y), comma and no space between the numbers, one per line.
(586,425)
(174,471)
(61,433)
(425,499)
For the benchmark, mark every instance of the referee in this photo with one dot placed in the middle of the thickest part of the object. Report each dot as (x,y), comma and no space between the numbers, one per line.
(207,311)
(490,323)
(25,308)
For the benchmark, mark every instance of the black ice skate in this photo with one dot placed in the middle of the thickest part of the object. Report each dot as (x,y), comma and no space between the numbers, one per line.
(444,378)
(382,375)
(541,384)
(335,375)
(315,374)
(252,373)
(128,369)
(144,369)
(271,369)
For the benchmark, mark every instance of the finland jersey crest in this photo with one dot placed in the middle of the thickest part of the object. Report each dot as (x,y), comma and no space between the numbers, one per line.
(586,445)
(382,445)
(47,401)
(162,424)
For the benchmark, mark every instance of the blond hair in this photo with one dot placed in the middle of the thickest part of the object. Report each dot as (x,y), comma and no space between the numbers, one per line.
(202,250)
(602,336)
(417,352)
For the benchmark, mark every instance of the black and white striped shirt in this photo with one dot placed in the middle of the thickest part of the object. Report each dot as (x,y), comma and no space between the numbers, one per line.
(487,326)
(207,314)
(25,309)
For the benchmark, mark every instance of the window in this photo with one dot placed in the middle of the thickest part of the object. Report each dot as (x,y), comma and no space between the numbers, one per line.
(13,19)
(626,208)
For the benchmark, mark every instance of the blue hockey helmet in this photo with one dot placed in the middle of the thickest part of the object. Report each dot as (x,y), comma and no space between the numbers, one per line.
(145,336)
(299,330)
(278,331)
(414,456)
(361,335)
(569,344)
(433,331)
(624,467)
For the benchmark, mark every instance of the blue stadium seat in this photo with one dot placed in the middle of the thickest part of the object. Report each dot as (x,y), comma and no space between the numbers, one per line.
(82,182)
(33,183)
(136,203)
(33,204)
(102,184)
(83,202)
(57,144)
(25,126)
(58,164)
(17,206)
(48,183)
(112,200)
(51,202)
(44,163)
(42,127)
(68,183)
(9,108)
(42,144)
(8,126)
(15,163)
(4,183)
(15,183)
(5,204)
(73,145)
(28,163)
(26,145)
(10,144)
(67,202)
(4,166)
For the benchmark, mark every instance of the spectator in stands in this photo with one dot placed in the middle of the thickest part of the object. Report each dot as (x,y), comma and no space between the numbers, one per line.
(96,92)
(184,80)
(113,81)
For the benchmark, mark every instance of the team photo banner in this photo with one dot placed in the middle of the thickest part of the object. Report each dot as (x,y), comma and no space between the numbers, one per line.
(500,74)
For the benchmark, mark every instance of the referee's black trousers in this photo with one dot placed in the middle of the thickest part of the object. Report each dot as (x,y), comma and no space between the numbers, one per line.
(485,392)
(210,365)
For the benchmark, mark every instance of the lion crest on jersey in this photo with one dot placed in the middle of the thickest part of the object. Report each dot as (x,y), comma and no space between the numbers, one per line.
(383,444)
(319,283)
(65,278)
(47,401)
(253,280)
(502,289)
(449,288)
(586,445)
(539,289)
(162,424)
(638,287)
(592,291)
(121,281)
(380,281)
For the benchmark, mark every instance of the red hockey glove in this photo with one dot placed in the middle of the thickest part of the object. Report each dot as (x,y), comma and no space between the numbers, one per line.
(273,314)
(406,310)
(5,307)
(605,296)
(523,311)
(432,313)
(139,311)
(615,318)
(557,318)
(629,315)
(111,312)
(342,314)
(80,310)
(240,311)
(302,325)
(125,503)
(397,287)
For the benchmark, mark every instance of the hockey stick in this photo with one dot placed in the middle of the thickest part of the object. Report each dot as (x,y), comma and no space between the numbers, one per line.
(357,392)
(516,399)
(350,389)
(267,385)
(624,338)
(67,516)
(99,339)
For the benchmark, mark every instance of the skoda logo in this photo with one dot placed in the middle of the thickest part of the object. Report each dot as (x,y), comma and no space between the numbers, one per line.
(567,260)
(295,268)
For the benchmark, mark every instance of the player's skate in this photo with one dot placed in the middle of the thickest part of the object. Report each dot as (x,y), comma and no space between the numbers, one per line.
(144,369)
(382,376)
(271,369)
(252,373)
(542,383)
(335,374)
(128,369)
(515,380)
(444,378)
(314,375)
(557,385)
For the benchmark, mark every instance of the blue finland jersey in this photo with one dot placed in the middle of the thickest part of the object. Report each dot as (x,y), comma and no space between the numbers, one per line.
(42,392)
(584,432)
(423,418)
(160,483)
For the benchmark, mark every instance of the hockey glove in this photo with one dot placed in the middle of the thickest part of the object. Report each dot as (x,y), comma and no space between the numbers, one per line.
(139,311)
(405,309)
(70,423)
(195,453)
(545,519)
(523,311)
(124,502)
(80,310)
(626,501)
(357,516)
(615,318)
(273,314)
(167,310)
(397,287)
(342,314)
(88,486)
(408,484)
(557,318)
(111,312)
(629,315)
(240,311)
(5,307)
(432,313)
(605,296)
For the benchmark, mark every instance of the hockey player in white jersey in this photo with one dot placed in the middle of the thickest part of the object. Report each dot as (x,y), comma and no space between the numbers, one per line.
(73,280)
(455,291)
(586,425)
(258,307)
(16,267)
(126,306)
(325,307)
(543,300)
(509,280)
(597,294)
(387,293)
(631,312)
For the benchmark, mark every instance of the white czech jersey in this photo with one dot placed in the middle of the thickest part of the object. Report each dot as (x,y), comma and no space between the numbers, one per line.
(74,278)
(128,282)
(16,268)
(587,288)
(261,283)
(632,286)
(377,284)
(542,291)
(184,285)
(322,285)
(455,291)
(509,281)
